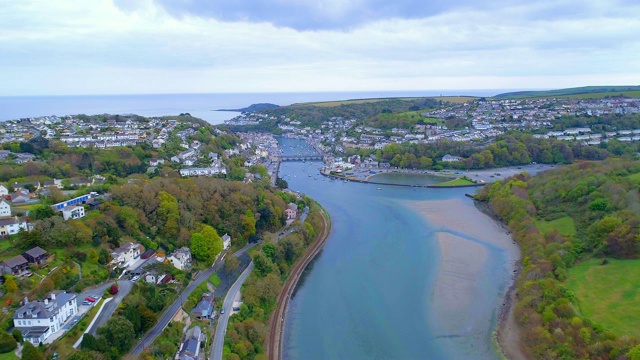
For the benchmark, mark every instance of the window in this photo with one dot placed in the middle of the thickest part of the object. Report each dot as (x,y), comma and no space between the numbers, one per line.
(50,319)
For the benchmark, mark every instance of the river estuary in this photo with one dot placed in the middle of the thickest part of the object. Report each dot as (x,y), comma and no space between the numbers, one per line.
(406,273)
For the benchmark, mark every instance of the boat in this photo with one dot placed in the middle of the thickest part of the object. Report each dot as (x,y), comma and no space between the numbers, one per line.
(379,188)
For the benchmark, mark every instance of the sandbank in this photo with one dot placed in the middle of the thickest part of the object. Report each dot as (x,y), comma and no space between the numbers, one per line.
(463,234)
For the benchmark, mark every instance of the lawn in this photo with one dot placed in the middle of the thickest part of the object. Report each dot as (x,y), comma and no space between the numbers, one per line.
(4,245)
(456,182)
(564,225)
(608,294)
(9,356)
(215,279)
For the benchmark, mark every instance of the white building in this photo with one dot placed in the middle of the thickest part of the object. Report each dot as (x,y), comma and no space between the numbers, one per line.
(73,212)
(180,258)
(451,158)
(226,241)
(5,208)
(4,191)
(37,320)
(126,253)
(12,225)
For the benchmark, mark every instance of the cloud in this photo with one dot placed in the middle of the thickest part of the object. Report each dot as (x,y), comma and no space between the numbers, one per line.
(315,15)
(115,46)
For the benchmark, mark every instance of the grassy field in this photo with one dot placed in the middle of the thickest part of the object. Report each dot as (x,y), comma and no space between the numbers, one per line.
(215,280)
(456,99)
(608,294)
(456,182)
(342,102)
(564,225)
(9,356)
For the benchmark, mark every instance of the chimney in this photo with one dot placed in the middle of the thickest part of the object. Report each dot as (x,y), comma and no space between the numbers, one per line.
(46,301)
(26,300)
(53,296)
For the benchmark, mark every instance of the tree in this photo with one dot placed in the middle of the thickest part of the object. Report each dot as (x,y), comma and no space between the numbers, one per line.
(17,334)
(113,289)
(119,333)
(89,342)
(93,256)
(30,352)
(40,212)
(10,284)
(205,245)
(7,342)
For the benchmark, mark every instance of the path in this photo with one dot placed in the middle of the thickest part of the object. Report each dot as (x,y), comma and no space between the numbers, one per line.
(223,319)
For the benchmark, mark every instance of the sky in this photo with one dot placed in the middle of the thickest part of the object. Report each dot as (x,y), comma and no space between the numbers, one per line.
(76,47)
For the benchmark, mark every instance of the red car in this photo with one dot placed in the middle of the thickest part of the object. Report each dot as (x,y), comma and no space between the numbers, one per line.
(90,299)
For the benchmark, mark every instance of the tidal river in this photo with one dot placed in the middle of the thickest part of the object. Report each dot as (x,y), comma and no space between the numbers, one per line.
(407,273)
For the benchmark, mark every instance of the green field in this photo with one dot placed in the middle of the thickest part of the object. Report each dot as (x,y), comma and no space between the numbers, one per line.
(9,356)
(456,182)
(608,294)
(579,92)
(456,99)
(564,225)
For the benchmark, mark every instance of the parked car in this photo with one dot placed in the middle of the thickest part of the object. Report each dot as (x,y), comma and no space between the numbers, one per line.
(86,303)
(222,311)
(90,299)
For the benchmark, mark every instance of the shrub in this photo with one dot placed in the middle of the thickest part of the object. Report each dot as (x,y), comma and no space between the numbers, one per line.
(7,342)
(113,289)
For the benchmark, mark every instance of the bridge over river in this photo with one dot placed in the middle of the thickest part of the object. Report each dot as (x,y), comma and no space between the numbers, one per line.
(301,157)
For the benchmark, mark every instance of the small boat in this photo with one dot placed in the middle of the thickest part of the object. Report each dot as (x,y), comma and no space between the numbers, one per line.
(379,188)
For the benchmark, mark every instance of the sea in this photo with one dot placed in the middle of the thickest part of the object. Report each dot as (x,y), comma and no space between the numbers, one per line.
(203,106)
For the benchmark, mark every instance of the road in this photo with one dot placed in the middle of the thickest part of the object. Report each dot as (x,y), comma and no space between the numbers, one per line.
(124,287)
(151,335)
(223,319)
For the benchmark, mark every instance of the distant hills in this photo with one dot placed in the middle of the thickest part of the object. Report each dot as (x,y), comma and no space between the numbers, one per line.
(585,91)
(254,107)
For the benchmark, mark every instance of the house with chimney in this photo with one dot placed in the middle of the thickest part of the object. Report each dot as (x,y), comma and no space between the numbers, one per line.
(37,320)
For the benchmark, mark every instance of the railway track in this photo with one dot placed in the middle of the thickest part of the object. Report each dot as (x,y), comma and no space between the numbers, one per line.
(276,323)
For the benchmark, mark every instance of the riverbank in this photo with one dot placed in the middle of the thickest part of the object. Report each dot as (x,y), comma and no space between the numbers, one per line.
(507,333)
(277,320)
(466,240)
(476,178)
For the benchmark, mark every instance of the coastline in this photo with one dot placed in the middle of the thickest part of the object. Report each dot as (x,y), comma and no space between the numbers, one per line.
(277,320)
(507,332)
(463,240)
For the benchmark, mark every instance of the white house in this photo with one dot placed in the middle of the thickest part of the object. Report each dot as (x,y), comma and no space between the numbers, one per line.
(5,208)
(73,212)
(451,158)
(126,253)
(226,241)
(12,225)
(4,191)
(37,320)
(180,258)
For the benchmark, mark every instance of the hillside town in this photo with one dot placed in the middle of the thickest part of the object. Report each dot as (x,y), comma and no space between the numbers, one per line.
(486,118)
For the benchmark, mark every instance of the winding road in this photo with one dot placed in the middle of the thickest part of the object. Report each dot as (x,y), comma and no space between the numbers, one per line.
(223,319)
(151,335)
